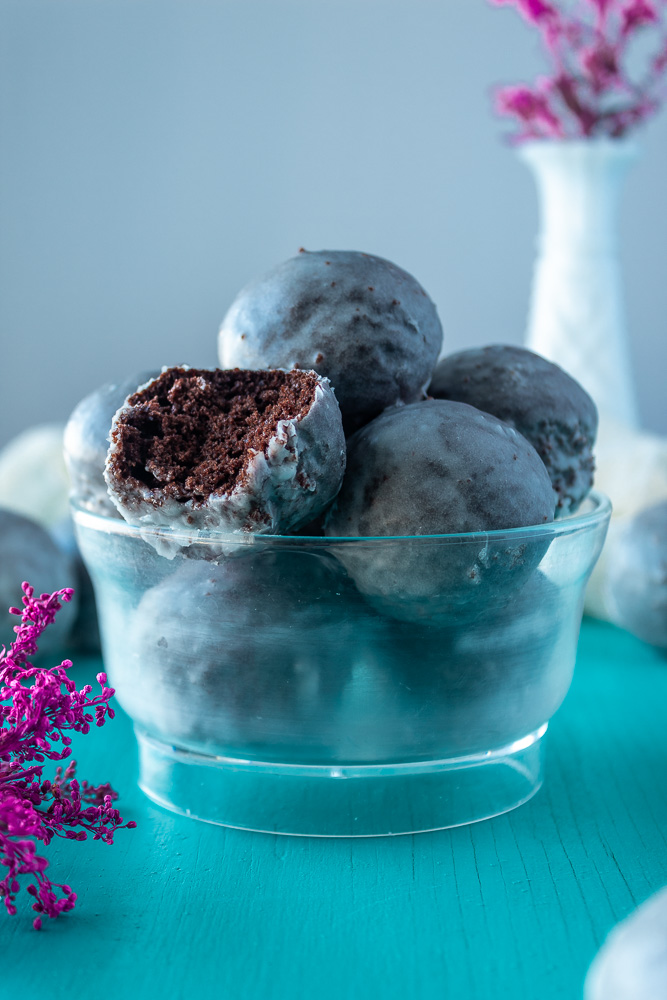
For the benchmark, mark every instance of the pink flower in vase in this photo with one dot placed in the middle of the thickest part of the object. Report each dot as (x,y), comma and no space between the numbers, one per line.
(532,108)
(600,65)
(590,90)
(636,14)
(534,11)
(660,61)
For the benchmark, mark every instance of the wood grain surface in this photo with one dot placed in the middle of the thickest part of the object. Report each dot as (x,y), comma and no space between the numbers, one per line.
(514,907)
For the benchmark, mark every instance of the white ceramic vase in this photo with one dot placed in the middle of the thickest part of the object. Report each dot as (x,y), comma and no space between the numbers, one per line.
(577,315)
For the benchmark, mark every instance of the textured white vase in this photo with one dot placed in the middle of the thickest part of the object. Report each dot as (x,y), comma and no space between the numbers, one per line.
(577,315)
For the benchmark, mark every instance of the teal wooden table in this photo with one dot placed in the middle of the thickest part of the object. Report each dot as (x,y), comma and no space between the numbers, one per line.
(514,907)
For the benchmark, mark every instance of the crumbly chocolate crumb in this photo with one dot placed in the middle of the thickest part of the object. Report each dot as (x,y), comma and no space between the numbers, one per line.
(192,432)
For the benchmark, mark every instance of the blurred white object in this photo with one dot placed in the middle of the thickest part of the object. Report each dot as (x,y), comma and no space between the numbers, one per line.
(631,468)
(33,476)
(635,589)
(577,316)
(27,552)
(632,963)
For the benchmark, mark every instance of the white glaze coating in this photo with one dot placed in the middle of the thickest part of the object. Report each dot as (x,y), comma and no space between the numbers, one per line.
(430,468)
(360,320)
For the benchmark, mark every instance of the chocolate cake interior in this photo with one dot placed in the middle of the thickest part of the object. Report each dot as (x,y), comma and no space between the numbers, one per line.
(192,432)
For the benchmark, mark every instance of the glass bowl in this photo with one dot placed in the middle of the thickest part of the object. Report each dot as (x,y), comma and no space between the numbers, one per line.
(341,687)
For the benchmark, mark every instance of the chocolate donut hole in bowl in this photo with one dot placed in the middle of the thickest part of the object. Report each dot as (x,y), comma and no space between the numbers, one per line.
(269,694)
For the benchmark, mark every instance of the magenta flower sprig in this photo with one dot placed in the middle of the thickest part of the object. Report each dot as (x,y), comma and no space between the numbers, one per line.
(38,708)
(590,89)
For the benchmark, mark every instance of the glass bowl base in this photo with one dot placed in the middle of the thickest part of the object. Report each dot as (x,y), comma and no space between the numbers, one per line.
(339,800)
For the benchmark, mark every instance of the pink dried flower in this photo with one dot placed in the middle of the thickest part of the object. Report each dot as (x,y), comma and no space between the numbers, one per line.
(637,14)
(600,64)
(568,88)
(531,107)
(602,6)
(534,11)
(38,708)
(660,61)
(590,90)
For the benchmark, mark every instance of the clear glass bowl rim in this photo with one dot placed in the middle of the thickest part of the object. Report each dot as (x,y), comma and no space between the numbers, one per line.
(597,508)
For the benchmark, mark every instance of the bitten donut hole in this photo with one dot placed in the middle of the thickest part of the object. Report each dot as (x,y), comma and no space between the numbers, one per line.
(192,432)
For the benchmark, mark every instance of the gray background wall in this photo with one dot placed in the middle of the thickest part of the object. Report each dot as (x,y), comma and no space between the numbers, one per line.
(156,154)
